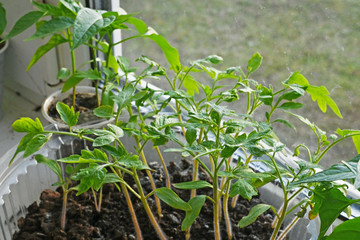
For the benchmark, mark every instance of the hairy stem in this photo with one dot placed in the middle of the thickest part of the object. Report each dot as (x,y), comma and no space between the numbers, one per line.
(63,210)
(168,183)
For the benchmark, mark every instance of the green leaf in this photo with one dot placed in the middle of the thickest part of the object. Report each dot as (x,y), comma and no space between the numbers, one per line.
(254,63)
(290,105)
(72,81)
(321,95)
(52,164)
(193,185)
(28,125)
(104,111)
(190,135)
(171,53)
(112,178)
(244,189)
(191,85)
(214,59)
(67,114)
(254,213)
(22,145)
(116,130)
(36,143)
(93,176)
(196,204)
(24,23)
(48,8)
(54,41)
(103,140)
(87,24)
(3,21)
(356,140)
(63,73)
(338,171)
(291,95)
(298,79)
(132,162)
(332,204)
(52,26)
(172,199)
(348,230)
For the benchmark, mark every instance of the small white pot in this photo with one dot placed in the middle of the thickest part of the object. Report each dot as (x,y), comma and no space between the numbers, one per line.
(60,96)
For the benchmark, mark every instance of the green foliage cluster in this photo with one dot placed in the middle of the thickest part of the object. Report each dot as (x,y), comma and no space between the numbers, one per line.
(212,134)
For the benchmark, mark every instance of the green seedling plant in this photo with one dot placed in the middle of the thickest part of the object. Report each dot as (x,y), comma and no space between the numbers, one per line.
(216,133)
(75,25)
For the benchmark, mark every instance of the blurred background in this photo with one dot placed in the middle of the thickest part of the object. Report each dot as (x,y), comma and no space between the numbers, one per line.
(319,38)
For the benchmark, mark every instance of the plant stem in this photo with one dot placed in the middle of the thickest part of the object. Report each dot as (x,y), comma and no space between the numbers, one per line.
(226,211)
(168,183)
(151,216)
(288,228)
(73,65)
(132,212)
(63,210)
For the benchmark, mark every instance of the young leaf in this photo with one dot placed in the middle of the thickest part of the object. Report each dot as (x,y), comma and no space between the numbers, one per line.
(244,189)
(193,185)
(321,95)
(52,164)
(103,140)
(72,81)
(191,85)
(63,73)
(88,22)
(254,213)
(67,114)
(52,26)
(36,143)
(287,123)
(28,125)
(347,230)
(48,8)
(196,204)
(356,140)
(214,59)
(172,199)
(298,79)
(22,145)
(104,111)
(190,135)
(54,41)
(24,23)
(254,63)
(116,130)
(171,53)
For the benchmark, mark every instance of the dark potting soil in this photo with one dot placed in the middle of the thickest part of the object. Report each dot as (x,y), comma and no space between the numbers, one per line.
(114,220)
(85,104)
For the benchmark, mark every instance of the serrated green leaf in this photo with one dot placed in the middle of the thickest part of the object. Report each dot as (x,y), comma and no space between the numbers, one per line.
(254,213)
(22,145)
(104,111)
(67,114)
(28,125)
(172,199)
(291,95)
(132,162)
(87,24)
(112,178)
(36,143)
(193,185)
(92,176)
(24,23)
(196,204)
(254,63)
(52,26)
(298,79)
(243,188)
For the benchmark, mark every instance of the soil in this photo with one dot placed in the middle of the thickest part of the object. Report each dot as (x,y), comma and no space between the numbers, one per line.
(85,104)
(114,221)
